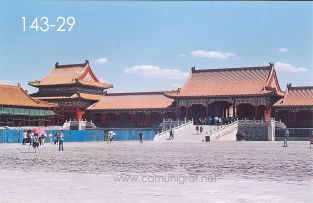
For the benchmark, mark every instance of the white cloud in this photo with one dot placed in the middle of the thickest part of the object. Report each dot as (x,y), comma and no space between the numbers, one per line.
(102,60)
(182,55)
(212,54)
(282,49)
(6,82)
(151,71)
(280,66)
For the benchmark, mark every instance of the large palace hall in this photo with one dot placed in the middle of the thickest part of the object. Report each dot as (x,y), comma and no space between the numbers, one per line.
(73,91)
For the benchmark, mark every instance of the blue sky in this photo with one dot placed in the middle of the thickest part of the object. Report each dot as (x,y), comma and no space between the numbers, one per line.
(150,46)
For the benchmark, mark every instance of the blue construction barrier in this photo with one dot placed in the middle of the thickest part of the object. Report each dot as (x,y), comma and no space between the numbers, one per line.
(132,134)
(11,136)
(16,136)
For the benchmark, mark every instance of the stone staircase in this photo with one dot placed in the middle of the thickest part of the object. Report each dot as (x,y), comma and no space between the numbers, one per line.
(187,133)
(225,132)
(78,125)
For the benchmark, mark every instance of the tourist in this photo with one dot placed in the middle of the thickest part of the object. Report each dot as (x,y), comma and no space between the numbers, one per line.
(109,138)
(55,138)
(39,137)
(36,142)
(285,141)
(201,129)
(219,121)
(24,137)
(197,129)
(50,137)
(61,140)
(43,136)
(171,134)
(29,138)
(140,137)
(31,135)
(311,142)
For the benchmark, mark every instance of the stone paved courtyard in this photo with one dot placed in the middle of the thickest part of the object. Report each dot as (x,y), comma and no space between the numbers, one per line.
(88,172)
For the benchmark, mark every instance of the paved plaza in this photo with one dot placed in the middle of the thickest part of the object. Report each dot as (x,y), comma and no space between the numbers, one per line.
(157,172)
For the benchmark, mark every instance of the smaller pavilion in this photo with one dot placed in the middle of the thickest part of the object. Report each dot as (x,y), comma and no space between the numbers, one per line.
(132,110)
(295,109)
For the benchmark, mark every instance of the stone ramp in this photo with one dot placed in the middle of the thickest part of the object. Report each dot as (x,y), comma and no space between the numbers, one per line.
(188,133)
(225,132)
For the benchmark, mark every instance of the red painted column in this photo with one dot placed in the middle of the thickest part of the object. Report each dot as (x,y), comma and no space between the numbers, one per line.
(177,112)
(78,114)
(131,120)
(207,110)
(294,118)
(267,115)
(148,122)
(187,112)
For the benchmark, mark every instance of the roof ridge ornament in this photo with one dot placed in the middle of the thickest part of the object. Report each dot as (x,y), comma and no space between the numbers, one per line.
(289,85)
(56,64)
(193,68)
(271,64)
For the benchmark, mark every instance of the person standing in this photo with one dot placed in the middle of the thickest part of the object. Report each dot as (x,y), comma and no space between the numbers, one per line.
(24,137)
(108,138)
(197,129)
(31,137)
(57,138)
(39,137)
(285,141)
(140,137)
(50,137)
(201,129)
(61,140)
(43,136)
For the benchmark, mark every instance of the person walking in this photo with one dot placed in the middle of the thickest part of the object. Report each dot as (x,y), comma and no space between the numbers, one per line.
(197,129)
(201,129)
(171,134)
(311,142)
(36,142)
(55,138)
(61,141)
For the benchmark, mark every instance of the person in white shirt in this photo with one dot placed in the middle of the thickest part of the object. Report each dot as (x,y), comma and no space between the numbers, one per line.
(24,137)
(50,137)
